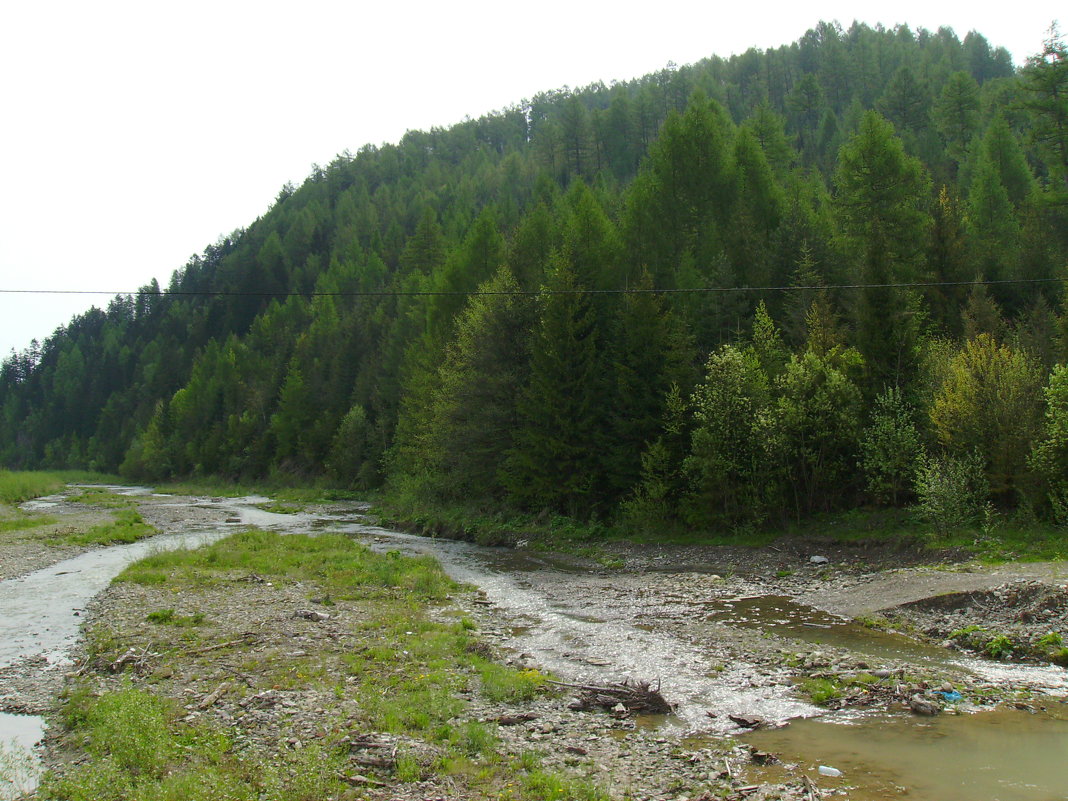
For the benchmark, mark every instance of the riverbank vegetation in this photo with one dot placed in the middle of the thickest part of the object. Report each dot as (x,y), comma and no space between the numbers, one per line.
(17,486)
(728,298)
(384,702)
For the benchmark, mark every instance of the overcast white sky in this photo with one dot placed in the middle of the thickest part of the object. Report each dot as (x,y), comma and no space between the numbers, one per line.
(135,133)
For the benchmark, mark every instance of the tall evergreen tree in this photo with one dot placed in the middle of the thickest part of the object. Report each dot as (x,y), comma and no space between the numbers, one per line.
(555,461)
(881,201)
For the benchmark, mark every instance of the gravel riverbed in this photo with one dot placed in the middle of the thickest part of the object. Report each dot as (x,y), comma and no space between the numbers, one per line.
(266,663)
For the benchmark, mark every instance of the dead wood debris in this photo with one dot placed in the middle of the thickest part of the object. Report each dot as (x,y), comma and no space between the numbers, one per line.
(242,639)
(636,697)
(211,698)
(133,658)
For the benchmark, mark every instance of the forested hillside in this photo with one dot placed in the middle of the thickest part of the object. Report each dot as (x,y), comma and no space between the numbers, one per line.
(744,290)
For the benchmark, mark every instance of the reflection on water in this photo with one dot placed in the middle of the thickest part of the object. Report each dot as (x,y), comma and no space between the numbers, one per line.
(997,755)
(792,619)
(19,769)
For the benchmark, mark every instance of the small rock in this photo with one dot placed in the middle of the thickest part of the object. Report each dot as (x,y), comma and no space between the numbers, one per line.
(514,720)
(818,560)
(923,706)
(619,710)
(311,614)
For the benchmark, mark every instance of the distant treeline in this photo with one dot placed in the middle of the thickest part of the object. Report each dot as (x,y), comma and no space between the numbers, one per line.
(857,244)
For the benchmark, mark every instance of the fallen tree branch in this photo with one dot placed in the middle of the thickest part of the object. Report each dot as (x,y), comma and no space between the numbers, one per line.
(210,699)
(217,646)
(636,697)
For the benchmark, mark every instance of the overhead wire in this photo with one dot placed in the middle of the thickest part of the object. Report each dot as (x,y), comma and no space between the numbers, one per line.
(532,292)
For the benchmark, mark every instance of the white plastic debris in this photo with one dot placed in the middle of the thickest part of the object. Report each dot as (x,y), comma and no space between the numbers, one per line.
(825,770)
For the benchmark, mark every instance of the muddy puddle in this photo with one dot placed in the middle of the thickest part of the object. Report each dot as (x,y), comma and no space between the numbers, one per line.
(993,755)
(785,616)
(621,625)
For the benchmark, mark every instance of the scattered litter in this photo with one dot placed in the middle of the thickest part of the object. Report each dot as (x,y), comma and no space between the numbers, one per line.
(818,560)
(826,770)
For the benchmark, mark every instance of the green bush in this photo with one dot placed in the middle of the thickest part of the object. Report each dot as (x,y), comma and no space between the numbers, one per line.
(952,490)
(998,646)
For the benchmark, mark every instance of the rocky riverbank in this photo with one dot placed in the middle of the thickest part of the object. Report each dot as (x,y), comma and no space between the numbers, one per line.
(290,673)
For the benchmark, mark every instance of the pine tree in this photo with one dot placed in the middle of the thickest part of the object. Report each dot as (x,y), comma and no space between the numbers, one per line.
(1045,96)
(556,461)
(957,114)
(881,200)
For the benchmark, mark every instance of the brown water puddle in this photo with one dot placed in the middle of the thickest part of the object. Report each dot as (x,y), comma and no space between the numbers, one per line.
(995,755)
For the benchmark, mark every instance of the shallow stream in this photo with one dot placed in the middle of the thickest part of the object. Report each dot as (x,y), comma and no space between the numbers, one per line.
(712,644)
(41,611)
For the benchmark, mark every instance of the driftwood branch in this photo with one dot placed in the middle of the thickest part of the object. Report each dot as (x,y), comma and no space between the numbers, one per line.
(211,698)
(636,697)
(217,646)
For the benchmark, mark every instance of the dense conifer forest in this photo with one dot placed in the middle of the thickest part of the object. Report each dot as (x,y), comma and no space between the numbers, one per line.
(739,292)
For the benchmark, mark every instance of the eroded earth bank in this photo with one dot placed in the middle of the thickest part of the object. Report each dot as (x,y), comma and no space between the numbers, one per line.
(781,666)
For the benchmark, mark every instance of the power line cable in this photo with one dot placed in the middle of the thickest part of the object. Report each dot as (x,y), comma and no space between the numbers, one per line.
(531,292)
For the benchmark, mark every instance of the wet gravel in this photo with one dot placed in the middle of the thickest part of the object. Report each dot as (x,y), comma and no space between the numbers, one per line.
(589,626)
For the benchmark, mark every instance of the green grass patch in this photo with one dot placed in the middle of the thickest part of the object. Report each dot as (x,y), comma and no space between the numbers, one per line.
(1000,539)
(503,684)
(128,526)
(964,633)
(1050,640)
(168,617)
(1009,541)
(18,486)
(821,691)
(25,522)
(280,491)
(548,786)
(140,751)
(405,673)
(102,497)
(998,646)
(894,527)
(342,567)
(281,508)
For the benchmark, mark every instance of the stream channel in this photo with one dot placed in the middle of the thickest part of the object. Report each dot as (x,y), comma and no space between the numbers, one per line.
(713,640)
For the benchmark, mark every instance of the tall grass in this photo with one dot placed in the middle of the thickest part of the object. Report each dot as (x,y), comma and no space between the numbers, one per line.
(346,569)
(141,751)
(17,486)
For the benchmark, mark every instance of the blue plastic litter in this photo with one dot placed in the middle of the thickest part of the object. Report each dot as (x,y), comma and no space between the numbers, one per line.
(952,697)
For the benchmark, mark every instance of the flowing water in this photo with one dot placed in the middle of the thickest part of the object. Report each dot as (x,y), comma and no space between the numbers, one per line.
(683,626)
(40,612)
